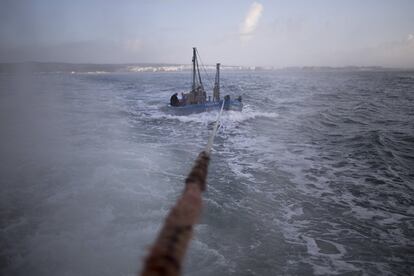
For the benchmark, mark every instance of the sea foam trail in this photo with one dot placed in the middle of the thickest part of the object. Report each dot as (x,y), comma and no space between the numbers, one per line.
(207,117)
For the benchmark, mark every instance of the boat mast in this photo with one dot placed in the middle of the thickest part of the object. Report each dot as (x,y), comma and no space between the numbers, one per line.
(197,89)
(216,89)
(194,68)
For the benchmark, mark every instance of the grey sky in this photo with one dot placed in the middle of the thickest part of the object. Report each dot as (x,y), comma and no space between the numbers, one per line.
(267,33)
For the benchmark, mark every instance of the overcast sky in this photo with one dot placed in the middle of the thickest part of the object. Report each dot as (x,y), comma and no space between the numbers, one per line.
(263,32)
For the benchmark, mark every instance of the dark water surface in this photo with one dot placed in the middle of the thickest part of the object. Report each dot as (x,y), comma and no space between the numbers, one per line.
(314,177)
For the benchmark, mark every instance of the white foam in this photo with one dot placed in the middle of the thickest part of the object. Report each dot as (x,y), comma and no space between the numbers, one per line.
(324,263)
(207,117)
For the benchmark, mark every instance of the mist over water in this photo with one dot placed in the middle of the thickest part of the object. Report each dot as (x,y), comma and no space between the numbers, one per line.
(314,177)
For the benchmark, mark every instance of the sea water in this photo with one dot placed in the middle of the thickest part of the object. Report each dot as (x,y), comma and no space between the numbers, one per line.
(314,177)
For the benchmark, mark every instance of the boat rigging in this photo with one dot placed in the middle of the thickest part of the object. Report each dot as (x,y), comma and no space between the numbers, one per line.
(196,100)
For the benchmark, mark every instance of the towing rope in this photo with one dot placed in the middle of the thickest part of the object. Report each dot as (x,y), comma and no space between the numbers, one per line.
(167,253)
(215,128)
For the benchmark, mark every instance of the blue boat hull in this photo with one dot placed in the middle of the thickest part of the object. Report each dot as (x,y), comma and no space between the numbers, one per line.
(234,105)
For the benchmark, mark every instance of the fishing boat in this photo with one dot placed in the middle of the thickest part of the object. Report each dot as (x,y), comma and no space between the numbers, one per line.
(197,101)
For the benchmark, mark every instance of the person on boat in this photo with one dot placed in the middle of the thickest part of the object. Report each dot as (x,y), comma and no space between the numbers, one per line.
(200,95)
(174,101)
(183,99)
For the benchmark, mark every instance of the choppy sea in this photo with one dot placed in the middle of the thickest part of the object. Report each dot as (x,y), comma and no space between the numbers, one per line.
(314,177)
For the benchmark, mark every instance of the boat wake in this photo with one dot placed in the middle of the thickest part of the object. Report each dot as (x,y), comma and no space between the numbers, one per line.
(206,118)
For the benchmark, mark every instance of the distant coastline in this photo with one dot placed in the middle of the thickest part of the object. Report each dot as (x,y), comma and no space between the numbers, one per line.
(58,67)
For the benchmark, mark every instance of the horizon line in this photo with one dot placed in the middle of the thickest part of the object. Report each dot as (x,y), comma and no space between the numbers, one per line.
(269,67)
